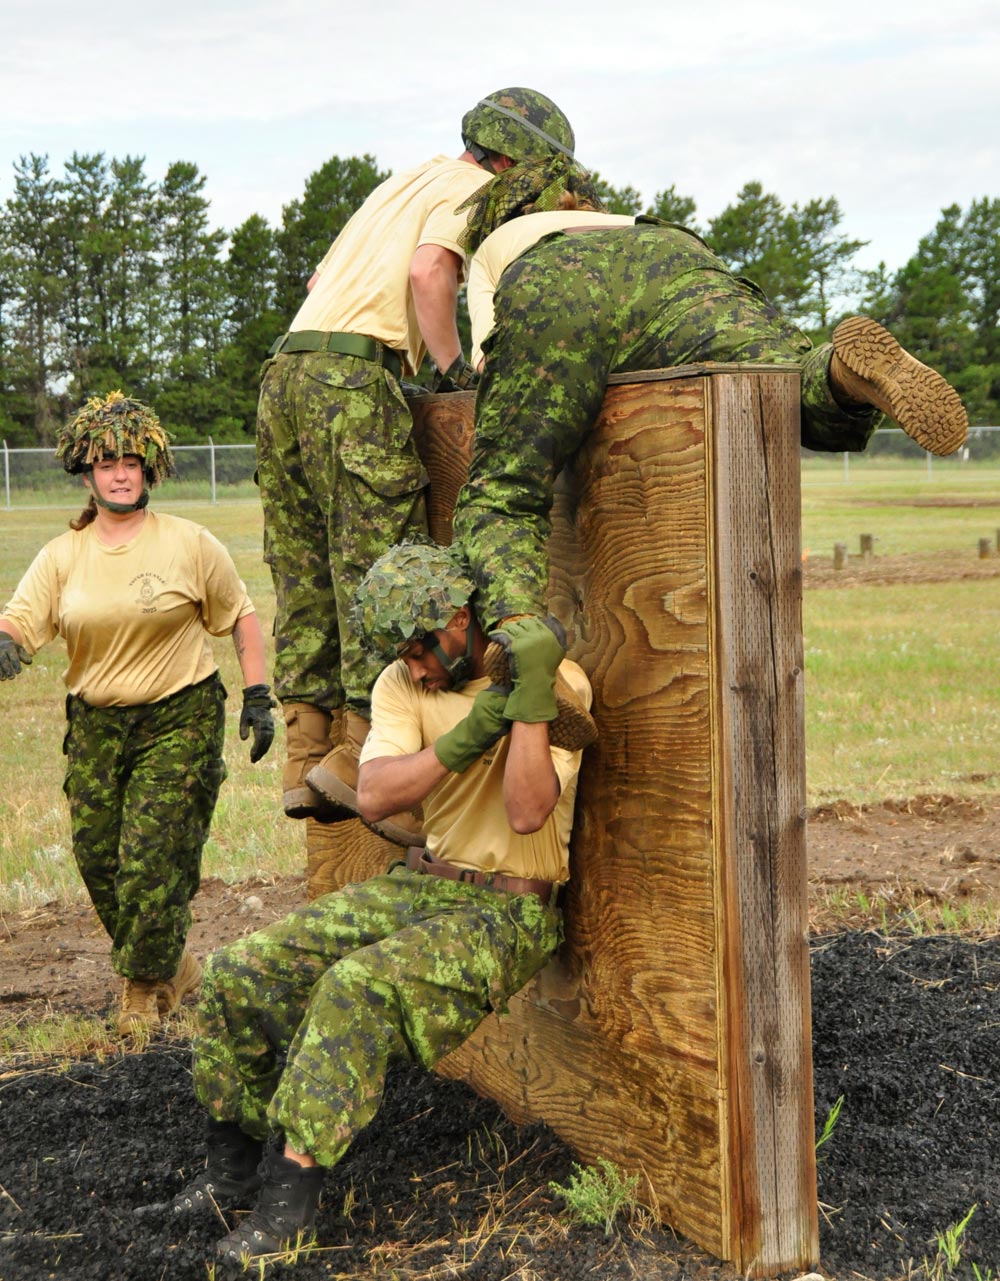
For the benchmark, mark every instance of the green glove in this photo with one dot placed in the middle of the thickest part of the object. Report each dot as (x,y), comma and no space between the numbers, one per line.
(535,647)
(12,657)
(485,725)
(258,718)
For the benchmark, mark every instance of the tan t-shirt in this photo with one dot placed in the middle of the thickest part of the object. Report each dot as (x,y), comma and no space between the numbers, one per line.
(508,242)
(134,617)
(364,280)
(464,816)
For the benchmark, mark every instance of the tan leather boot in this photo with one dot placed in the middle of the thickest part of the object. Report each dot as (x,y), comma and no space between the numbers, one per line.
(869,367)
(335,778)
(139,1012)
(173,990)
(310,732)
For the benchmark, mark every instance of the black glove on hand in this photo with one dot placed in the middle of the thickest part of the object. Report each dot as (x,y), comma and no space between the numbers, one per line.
(12,657)
(257,716)
(535,647)
(469,739)
(459,376)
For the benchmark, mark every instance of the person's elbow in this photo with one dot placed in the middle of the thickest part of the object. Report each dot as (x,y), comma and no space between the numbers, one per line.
(530,814)
(369,802)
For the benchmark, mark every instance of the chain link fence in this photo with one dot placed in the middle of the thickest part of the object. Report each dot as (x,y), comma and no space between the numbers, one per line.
(205,473)
(222,473)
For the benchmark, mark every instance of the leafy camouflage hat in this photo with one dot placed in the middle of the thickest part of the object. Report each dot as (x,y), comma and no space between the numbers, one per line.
(536,186)
(519,123)
(410,590)
(111,428)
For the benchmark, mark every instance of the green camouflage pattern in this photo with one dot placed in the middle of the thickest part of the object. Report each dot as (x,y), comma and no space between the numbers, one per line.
(519,123)
(571,311)
(410,590)
(298,1023)
(340,482)
(536,186)
(142,783)
(111,427)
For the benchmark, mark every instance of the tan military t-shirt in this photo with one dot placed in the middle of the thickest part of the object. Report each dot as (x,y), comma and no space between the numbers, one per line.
(508,242)
(464,816)
(364,280)
(135,618)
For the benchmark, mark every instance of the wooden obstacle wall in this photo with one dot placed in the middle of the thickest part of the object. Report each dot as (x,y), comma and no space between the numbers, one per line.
(671,1034)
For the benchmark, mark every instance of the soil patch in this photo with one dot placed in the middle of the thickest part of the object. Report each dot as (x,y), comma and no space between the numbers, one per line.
(441,1185)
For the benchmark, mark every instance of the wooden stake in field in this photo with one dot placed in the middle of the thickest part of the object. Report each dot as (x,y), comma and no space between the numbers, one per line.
(672,1032)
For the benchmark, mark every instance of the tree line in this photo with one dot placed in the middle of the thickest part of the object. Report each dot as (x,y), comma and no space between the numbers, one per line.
(109,279)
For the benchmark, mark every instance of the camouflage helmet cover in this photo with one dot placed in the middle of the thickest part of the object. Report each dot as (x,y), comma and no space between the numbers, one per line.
(111,427)
(537,186)
(409,591)
(519,123)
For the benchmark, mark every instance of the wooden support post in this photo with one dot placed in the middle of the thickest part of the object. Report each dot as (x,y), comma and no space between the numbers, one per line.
(985,548)
(839,555)
(867,547)
(671,1034)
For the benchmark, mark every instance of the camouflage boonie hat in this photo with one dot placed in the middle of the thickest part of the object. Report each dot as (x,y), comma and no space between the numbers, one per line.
(111,428)
(536,186)
(410,590)
(519,123)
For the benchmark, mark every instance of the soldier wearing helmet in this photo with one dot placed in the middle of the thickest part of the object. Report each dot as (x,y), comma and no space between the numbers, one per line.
(405,965)
(557,284)
(136,596)
(340,477)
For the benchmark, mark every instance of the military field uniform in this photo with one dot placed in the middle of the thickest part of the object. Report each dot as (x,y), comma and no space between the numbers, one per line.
(146,717)
(340,477)
(299,1022)
(569,310)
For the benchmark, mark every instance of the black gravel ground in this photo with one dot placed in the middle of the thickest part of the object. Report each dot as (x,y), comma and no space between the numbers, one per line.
(442,1185)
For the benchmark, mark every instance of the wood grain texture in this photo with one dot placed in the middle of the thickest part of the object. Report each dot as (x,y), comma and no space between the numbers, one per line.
(671,1032)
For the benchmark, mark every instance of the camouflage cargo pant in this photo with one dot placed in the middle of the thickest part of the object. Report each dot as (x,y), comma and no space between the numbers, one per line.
(340,483)
(142,783)
(569,312)
(298,1023)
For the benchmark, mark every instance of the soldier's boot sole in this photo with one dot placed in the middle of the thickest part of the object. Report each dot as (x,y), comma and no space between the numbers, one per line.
(573,728)
(874,369)
(402,829)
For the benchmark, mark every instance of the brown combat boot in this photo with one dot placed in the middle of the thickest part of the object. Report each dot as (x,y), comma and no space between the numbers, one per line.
(335,778)
(310,732)
(139,1012)
(869,367)
(574,728)
(172,991)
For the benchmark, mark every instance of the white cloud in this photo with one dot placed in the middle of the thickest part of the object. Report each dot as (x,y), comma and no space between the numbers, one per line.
(892,110)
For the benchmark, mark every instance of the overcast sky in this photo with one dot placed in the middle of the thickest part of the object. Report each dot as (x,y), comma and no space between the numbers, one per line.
(894,108)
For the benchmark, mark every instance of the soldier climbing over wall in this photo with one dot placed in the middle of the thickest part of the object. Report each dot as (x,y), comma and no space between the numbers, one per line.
(562,295)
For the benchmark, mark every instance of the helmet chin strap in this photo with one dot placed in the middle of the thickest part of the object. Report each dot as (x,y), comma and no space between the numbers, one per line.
(459,669)
(122,508)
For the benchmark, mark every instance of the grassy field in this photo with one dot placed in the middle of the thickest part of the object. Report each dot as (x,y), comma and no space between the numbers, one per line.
(902,688)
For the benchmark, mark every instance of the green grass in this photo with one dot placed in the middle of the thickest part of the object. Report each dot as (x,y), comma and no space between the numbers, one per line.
(902,695)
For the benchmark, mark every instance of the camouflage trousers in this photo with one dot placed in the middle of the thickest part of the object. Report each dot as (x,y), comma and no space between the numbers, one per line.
(569,312)
(340,483)
(298,1023)
(142,783)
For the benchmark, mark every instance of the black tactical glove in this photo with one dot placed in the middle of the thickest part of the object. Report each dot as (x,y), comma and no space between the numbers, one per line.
(459,376)
(12,657)
(485,725)
(257,716)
